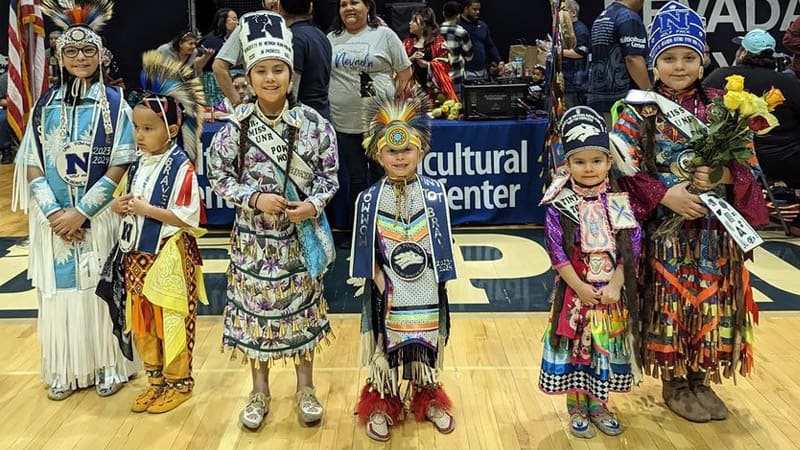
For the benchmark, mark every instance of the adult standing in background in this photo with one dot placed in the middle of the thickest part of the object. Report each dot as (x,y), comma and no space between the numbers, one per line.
(779,150)
(428,51)
(791,40)
(368,60)
(312,56)
(619,49)
(458,41)
(225,21)
(485,56)
(54,75)
(183,47)
(574,61)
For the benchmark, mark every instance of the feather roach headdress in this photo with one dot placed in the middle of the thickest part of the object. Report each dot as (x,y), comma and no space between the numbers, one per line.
(80,19)
(398,122)
(172,91)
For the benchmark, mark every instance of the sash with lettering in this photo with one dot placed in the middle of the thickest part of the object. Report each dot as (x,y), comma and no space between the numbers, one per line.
(99,155)
(742,233)
(314,233)
(162,191)
(362,259)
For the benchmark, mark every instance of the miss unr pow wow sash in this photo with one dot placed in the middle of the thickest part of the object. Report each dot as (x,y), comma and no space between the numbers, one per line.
(314,233)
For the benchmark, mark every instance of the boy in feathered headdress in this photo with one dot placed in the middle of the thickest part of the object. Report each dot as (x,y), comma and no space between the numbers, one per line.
(158,248)
(402,246)
(74,152)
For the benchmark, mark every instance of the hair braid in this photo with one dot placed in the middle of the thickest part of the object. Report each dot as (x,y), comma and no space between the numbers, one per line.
(244,130)
(625,253)
(291,138)
(701,92)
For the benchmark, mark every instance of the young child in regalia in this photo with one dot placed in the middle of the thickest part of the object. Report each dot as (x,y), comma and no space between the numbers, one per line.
(159,253)
(276,161)
(698,308)
(402,246)
(77,145)
(593,241)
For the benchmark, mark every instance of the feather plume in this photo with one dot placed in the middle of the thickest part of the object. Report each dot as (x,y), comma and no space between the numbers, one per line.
(168,77)
(410,106)
(623,158)
(69,13)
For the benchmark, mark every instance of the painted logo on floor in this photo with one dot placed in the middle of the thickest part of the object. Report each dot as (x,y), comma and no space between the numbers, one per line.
(499,271)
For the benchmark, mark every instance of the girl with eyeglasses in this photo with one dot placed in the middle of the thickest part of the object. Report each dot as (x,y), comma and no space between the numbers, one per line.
(76,147)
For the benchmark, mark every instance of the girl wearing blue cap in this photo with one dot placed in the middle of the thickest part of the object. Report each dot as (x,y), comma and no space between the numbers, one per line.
(593,241)
(697,306)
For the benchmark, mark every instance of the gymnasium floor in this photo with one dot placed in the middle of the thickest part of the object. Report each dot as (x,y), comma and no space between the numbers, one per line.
(492,367)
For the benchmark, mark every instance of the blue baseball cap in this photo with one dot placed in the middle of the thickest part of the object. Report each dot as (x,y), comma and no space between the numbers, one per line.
(756,41)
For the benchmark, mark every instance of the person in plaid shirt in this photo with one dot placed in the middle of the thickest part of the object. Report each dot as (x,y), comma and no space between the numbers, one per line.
(458,42)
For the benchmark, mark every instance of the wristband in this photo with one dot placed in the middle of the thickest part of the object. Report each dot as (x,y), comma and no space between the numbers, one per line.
(43,195)
(97,198)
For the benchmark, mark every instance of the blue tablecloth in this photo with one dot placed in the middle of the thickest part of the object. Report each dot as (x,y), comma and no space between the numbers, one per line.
(492,171)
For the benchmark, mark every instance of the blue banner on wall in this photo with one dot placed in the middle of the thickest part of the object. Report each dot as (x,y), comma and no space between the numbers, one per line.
(492,171)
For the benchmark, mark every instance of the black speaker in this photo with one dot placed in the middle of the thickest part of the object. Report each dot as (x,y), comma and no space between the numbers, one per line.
(493,101)
(399,14)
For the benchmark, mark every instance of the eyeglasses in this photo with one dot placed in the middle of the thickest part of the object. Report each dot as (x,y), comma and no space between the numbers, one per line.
(72,52)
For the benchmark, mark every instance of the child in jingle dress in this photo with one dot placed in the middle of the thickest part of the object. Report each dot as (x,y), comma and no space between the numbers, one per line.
(593,241)
(161,207)
(276,161)
(403,248)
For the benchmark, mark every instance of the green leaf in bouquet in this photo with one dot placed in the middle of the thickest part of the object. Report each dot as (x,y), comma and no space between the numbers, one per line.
(717,112)
(743,155)
(698,161)
(716,174)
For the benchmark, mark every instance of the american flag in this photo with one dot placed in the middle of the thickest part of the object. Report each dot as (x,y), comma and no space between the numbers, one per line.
(26,61)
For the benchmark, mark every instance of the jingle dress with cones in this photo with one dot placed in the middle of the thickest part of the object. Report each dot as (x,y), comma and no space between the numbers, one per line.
(275,309)
(698,308)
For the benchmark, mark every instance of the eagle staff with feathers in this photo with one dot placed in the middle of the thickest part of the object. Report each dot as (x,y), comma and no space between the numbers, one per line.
(563,39)
(75,150)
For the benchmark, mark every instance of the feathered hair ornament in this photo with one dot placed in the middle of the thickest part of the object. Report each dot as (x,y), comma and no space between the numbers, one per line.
(399,122)
(81,20)
(172,91)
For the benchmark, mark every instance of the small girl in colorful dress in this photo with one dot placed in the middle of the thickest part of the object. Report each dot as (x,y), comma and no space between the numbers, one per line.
(161,208)
(593,241)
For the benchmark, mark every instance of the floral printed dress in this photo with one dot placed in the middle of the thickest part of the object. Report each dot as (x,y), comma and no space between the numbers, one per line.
(275,309)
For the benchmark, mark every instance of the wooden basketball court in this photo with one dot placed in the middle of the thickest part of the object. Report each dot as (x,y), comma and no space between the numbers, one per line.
(491,372)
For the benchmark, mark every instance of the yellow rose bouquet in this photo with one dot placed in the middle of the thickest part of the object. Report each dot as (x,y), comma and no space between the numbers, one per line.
(732,119)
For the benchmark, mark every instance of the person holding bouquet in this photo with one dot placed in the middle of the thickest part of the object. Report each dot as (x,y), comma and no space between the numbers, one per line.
(697,305)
